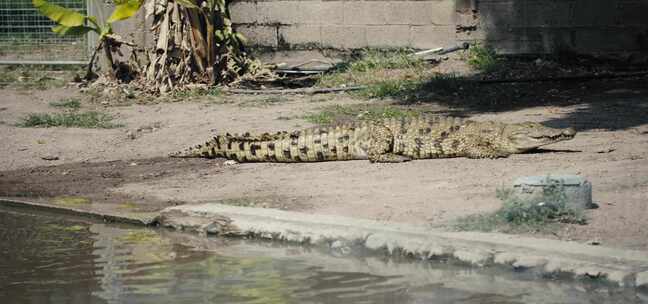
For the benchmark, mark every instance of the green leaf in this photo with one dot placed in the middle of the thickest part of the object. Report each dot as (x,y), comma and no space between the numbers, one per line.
(187,3)
(240,38)
(63,30)
(61,15)
(125,9)
(219,35)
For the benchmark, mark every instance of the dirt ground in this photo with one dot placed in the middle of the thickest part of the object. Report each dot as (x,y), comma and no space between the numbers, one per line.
(127,167)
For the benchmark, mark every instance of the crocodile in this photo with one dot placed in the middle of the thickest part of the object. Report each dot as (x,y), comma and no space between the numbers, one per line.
(387,140)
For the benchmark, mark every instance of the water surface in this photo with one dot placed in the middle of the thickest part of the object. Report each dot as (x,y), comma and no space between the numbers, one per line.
(46,258)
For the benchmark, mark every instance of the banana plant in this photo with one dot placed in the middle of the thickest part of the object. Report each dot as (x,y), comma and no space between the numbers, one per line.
(72,23)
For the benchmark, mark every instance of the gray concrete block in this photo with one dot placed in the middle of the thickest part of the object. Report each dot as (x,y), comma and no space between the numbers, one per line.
(631,13)
(300,34)
(432,36)
(594,13)
(278,12)
(642,280)
(509,47)
(365,12)
(389,36)
(421,12)
(345,37)
(501,14)
(578,191)
(330,12)
(244,12)
(549,13)
(610,40)
(259,35)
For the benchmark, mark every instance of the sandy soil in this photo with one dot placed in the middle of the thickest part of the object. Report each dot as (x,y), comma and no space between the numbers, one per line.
(128,164)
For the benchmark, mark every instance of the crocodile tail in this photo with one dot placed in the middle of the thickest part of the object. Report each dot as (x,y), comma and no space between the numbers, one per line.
(310,145)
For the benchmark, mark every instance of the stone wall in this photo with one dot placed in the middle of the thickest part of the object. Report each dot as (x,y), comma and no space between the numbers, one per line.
(511,26)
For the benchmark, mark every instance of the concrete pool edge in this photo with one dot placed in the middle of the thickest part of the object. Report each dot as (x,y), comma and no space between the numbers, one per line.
(627,268)
(144,219)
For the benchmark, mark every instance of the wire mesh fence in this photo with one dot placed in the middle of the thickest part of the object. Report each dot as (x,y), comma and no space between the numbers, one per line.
(26,35)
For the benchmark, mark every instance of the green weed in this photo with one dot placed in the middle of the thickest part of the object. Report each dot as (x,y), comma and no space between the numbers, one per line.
(71,201)
(37,77)
(92,120)
(389,88)
(214,91)
(375,66)
(69,103)
(140,236)
(482,58)
(338,113)
(517,215)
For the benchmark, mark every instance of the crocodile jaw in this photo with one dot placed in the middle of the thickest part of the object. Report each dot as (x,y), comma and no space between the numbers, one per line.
(528,136)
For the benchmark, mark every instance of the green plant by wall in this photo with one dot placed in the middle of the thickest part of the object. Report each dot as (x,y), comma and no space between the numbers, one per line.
(517,214)
(482,58)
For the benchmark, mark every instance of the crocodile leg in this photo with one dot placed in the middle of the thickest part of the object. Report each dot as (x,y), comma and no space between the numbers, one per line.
(380,147)
(479,148)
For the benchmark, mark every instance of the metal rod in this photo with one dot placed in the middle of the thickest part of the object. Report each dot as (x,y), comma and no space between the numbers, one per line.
(34,62)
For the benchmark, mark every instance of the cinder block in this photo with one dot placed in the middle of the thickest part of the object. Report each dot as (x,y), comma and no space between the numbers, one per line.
(550,13)
(390,36)
(609,40)
(309,12)
(432,36)
(243,12)
(578,191)
(429,12)
(300,34)
(260,35)
(631,13)
(502,14)
(366,12)
(510,47)
(330,12)
(594,13)
(345,37)
(278,12)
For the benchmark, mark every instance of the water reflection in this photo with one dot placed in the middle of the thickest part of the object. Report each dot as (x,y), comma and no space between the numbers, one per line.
(55,259)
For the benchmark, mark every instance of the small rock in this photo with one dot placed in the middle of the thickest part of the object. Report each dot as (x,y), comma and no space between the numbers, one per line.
(131,135)
(133,164)
(621,91)
(230,162)
(50,157)
(594,242)
(606,150)
(642,279)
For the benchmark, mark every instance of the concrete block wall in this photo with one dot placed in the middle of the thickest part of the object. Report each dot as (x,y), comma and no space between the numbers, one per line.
(511,26)
(548,26)
(346,24)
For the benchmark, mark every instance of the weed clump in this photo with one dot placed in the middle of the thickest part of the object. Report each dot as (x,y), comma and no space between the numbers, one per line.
(524,215)
(91,119)
(338,113)
(482,58)
(375,67)
(69,103)
(390,88)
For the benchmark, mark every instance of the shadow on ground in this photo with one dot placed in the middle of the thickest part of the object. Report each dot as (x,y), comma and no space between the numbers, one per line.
(603,104)
(94,181)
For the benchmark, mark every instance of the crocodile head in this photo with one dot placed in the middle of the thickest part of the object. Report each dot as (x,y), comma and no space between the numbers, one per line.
(522,137)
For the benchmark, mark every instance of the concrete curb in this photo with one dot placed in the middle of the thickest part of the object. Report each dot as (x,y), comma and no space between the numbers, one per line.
(129,218)
(626,268)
